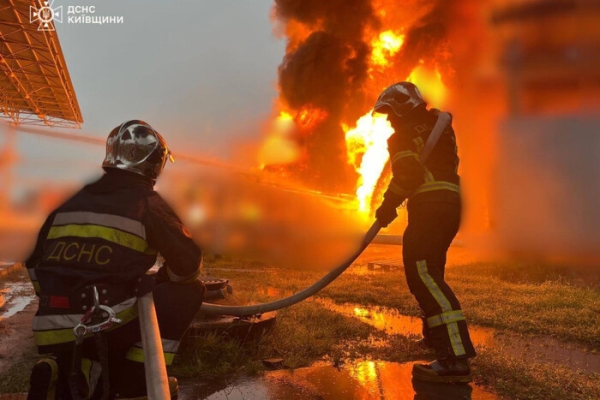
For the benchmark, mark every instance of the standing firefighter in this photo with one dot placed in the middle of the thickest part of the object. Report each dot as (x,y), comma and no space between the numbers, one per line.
(434,211)
(95,249)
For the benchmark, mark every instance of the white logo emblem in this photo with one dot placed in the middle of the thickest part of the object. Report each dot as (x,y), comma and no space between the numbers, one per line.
(45,15)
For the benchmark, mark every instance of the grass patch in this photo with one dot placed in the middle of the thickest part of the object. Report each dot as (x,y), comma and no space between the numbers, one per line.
(16,378)
(516,297)
(526,379)
(302,334)
(550,308)
(530,299)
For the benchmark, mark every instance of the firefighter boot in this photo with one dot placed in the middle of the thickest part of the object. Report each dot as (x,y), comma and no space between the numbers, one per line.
(42,383)
(443,371)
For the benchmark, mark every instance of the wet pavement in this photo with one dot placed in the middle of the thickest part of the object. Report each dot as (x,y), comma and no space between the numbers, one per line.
(15,295)
(364,380)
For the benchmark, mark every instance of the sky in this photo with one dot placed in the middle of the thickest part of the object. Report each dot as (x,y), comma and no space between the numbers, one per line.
(201,72)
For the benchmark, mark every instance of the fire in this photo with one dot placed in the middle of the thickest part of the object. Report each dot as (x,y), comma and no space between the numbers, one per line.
(430,85)
(367,151)
(285,116)
(297,32)
(385,47)
(366,144)
(309,117)
(279,148)
(337,61)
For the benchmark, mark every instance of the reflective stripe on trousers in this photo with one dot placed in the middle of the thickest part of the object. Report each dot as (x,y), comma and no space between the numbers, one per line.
(438,295)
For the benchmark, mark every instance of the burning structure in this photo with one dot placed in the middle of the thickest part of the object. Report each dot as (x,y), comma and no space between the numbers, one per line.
(339,56)
(520,78)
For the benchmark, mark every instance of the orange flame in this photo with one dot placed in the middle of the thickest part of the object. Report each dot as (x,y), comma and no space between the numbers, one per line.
(366,144)
(366,141)
(385,47)
(309,117)
(430,85)
(278,147)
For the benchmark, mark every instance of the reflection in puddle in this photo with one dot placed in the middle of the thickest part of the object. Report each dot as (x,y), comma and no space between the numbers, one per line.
(14,297)
(362,380)
(545,348)
(392,322)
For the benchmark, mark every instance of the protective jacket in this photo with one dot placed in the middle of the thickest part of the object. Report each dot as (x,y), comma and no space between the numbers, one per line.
(434,213)
(435,181)
(109,233)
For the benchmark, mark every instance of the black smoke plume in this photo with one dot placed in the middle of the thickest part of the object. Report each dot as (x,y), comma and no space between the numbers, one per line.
(330,68)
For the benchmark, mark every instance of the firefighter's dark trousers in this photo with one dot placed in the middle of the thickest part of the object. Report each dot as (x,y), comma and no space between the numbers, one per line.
(431,228)
(176,305)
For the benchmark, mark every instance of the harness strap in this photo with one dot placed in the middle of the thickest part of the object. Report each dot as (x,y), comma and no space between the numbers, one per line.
(98,322)
(442,122)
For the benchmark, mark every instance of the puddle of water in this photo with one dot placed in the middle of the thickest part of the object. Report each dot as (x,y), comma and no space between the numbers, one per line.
(14,297)
(457,255)
(543,348)
(363,380)
(392,322)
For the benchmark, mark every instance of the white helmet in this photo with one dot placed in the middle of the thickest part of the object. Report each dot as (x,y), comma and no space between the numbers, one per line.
(136,147)
(400,98)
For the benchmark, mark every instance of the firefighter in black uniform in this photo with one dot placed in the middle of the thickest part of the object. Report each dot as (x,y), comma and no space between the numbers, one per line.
(107,236)
(434,212)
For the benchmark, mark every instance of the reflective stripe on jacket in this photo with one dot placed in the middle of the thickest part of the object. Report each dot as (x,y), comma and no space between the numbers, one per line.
(109,232)
(410,178)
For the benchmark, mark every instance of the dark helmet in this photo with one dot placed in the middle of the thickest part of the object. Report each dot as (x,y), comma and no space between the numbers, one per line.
(136,147)
(400,98)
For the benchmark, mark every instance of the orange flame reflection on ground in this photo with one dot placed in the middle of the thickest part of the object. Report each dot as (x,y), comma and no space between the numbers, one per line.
(366,146)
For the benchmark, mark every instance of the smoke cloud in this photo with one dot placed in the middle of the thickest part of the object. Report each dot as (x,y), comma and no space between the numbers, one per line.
(427,40)
(328,66)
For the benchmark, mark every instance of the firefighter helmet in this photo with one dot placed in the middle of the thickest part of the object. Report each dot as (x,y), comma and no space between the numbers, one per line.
(400,98)
(136,147)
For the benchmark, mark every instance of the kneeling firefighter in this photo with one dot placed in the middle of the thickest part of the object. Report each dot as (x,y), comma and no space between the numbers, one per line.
(92,252)
(431,184)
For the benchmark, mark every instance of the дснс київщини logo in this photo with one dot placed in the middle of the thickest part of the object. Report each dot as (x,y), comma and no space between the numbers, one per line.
(45,15)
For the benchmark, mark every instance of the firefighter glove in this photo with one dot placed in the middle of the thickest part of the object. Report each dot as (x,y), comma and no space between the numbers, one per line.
(386,212)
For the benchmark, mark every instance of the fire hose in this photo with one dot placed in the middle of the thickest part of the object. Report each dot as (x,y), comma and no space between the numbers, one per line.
(444,119)
(243,311)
